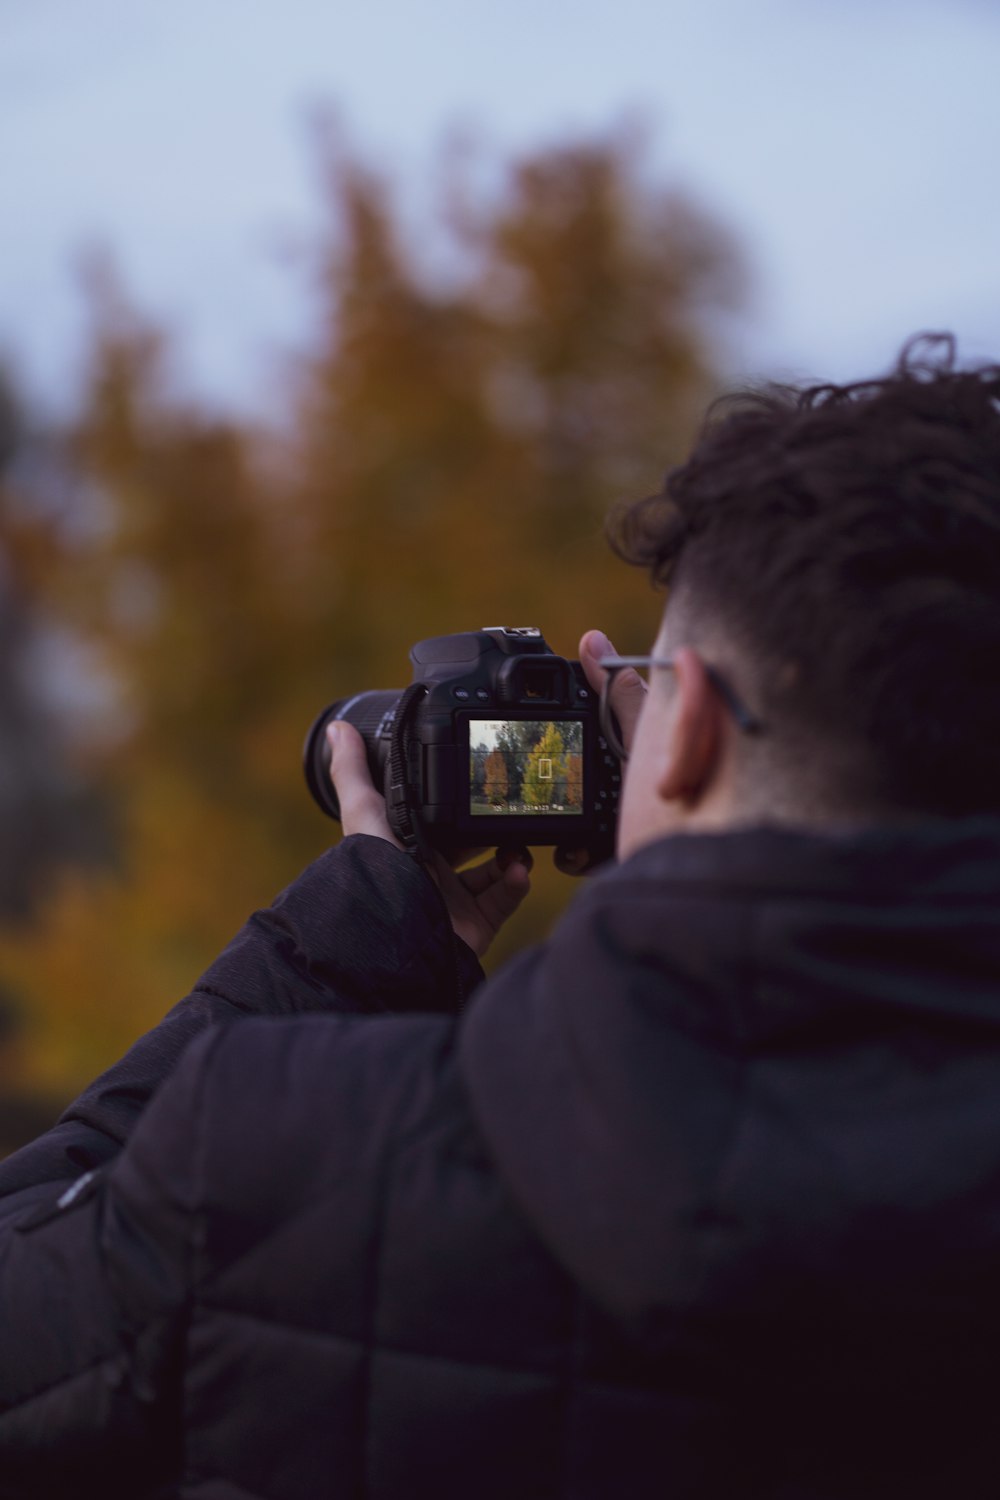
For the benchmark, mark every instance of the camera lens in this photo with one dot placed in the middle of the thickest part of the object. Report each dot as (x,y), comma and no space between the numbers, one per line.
(367,712)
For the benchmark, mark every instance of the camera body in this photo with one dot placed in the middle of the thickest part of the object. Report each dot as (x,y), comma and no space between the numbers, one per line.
(497,740)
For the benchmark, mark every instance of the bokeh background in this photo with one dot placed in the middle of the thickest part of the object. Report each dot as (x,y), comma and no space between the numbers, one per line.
(326,328)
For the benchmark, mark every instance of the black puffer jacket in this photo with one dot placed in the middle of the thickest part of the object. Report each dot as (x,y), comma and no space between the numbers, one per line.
(702,1198)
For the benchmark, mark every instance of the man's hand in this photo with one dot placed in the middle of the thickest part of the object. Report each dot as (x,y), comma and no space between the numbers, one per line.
(479,900)
(628,691)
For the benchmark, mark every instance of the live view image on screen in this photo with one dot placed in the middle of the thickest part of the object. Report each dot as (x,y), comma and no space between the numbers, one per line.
(525,766)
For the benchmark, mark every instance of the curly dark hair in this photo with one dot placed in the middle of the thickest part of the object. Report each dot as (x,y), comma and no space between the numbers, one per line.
(845,542)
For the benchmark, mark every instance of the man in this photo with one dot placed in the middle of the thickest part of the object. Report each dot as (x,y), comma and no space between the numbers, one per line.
(701,1197)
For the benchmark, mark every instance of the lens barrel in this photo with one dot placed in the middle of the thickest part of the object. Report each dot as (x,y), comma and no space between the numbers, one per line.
(367,712)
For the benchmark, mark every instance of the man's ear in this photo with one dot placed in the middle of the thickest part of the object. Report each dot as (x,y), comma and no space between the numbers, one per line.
(695,734)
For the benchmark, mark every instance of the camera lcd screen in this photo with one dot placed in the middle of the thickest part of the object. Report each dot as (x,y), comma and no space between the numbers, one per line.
(522,767)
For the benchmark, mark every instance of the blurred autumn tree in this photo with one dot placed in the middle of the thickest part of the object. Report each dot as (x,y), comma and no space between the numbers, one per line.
(50,812)
(454,444)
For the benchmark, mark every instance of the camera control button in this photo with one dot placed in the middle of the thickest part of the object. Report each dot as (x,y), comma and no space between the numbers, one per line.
(462,694)
(483,695)
(583,692)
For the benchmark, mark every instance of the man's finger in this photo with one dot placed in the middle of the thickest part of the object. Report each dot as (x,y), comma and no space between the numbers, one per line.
(480,877)
(503,896)
(628,691)
(362,806)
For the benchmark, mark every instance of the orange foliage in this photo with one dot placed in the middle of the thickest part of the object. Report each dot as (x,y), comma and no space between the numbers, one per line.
(451,458)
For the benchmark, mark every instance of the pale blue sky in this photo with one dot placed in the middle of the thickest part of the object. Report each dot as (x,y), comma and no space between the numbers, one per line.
(851,145)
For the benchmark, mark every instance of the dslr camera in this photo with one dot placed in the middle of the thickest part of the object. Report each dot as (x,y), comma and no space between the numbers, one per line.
(496,740)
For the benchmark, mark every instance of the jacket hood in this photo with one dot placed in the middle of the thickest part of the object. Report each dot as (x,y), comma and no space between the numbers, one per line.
(743,1059)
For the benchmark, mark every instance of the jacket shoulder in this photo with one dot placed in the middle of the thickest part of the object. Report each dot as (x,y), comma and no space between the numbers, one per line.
(294,1109)
(357,1247)
(347,1150)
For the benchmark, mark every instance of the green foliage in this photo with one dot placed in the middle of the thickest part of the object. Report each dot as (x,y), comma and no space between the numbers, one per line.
(450,456)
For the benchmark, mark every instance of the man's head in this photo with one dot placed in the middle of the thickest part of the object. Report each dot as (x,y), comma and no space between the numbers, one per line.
(835,554)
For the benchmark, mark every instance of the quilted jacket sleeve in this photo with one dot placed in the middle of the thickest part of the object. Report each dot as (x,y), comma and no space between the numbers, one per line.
(362,930)
(94,1288)
(94,1250)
